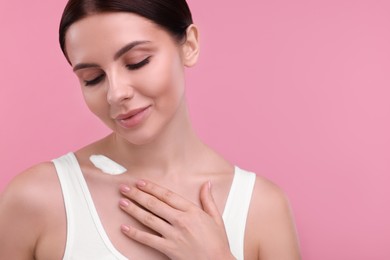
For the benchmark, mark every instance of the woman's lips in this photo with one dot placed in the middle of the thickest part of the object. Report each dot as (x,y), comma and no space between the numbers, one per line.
(134,117)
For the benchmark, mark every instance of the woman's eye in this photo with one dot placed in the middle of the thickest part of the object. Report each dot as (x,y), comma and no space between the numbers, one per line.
(138,65)
(94,81)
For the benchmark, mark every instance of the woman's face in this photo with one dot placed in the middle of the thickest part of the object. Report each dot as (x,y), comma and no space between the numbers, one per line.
(131,72)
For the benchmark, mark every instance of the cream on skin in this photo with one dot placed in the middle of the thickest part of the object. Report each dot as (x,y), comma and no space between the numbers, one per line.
(107,165)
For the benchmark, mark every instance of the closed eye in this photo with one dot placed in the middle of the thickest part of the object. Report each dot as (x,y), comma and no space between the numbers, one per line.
(99,78)
(94,81)
(139,64)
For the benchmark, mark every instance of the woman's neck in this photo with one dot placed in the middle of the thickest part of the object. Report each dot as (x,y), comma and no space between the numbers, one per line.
(176,148)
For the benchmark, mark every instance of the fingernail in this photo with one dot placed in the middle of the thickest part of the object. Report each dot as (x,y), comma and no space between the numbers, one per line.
(209,184)
(141,183)
(124,203)
(125,228)
(124,188)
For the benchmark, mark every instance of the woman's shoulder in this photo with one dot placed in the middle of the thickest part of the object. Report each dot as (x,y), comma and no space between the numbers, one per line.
(265,192)
(268,194)
(269,201)
(29,205)
(270,221)
(33,177)
(32,186)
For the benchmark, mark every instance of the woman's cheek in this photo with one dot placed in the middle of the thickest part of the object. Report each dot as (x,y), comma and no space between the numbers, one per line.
(163,74)
(154,81)
(166,89)
(97,105)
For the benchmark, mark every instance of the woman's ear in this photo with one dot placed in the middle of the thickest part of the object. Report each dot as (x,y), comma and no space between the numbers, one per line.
(190,48)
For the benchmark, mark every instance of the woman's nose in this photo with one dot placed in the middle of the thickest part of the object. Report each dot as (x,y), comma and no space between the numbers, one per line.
(119,91)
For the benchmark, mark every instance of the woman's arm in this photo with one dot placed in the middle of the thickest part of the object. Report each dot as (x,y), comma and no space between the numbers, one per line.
(270,223)
(21,216)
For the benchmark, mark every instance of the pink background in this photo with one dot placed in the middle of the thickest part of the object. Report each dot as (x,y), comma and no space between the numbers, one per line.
(297,91)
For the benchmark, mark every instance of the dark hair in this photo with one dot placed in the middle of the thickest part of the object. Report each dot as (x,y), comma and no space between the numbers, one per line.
(172,15)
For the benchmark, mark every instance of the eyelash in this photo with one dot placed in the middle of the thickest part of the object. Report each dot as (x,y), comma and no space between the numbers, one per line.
(99,78)
(138,65)
(94,81)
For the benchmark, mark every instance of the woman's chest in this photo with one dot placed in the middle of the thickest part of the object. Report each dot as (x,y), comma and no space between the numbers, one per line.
(102,218)
(107,199)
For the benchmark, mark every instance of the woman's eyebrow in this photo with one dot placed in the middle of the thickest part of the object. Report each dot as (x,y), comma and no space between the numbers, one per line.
(117,55)
(128,47)
(84,66)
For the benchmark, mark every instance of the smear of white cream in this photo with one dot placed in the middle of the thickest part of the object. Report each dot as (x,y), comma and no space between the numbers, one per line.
(107,165)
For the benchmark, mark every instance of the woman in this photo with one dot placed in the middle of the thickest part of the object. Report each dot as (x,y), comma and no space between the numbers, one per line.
(151,189)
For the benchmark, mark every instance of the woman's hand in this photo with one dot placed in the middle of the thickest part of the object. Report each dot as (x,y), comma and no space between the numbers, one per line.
(187,231)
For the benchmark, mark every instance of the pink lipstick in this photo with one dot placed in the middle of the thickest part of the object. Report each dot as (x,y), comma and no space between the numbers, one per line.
(133,117)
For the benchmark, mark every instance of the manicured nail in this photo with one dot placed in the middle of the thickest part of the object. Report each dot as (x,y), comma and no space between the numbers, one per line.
(141,183)
(124,203)
(125,228)
(124,188)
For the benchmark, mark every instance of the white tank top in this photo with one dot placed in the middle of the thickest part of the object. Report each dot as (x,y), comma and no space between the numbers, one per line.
(86,237)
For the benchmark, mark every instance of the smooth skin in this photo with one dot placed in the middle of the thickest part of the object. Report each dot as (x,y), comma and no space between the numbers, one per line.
(169,202)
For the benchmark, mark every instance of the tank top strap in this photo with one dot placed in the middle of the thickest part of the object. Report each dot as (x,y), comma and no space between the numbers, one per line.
(86,237)
(236,210)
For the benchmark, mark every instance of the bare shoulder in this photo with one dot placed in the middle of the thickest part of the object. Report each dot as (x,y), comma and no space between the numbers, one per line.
(267,195)
(24,210)
(32,185)
(270,223)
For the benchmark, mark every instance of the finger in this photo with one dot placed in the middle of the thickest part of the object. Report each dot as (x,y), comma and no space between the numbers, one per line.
(208,203)
(167,196)
(149,202)
(146,218)
(145,238)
